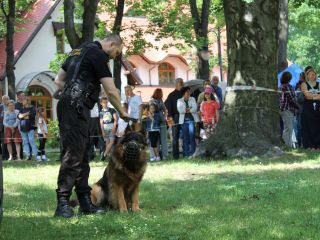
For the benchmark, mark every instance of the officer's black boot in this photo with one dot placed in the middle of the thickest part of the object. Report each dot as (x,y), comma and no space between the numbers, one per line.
(63,208)
(86,206)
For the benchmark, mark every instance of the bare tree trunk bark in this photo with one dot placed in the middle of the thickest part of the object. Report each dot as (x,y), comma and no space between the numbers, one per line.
(117,29)
(70,30)
(283,35)
(203,71)
(88,21)
(10,21)
(89,17)
(250,121)
(200,25)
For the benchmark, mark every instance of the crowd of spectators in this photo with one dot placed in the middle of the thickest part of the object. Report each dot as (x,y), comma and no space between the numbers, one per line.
(179,118)
(18,121)
(300,110)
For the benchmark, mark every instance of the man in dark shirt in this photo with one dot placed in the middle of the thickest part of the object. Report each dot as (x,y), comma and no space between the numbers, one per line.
(217,89)
(20,97)
(80,78)
(173,116)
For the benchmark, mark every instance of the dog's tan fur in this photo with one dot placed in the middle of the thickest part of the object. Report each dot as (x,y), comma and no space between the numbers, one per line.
(119,186)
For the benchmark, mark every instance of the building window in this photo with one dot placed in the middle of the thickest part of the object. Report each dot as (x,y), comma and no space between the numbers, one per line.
(166,74)
(60,42)
(40,97)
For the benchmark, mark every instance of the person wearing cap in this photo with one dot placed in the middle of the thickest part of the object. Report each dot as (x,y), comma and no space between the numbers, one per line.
(310,116)
(209,109)
(188,116)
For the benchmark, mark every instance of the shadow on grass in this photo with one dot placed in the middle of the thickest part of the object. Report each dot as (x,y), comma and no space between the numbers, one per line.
(289,156)
(274,205)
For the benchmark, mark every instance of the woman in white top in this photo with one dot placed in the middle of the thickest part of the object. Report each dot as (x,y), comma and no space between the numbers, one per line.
(188,115)
(42,134)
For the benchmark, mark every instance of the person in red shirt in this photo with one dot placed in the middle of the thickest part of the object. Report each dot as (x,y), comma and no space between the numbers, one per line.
(209,112)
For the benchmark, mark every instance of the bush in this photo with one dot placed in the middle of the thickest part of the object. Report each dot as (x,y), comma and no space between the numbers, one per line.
(53,134)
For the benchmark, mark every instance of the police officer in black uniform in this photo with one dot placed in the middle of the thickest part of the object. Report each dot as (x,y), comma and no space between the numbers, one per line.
(79,80)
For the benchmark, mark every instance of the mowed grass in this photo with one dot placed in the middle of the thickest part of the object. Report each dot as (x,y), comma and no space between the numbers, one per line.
(236,199)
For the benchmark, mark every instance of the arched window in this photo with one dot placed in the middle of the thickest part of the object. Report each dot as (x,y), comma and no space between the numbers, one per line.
(40,97)
(166,74)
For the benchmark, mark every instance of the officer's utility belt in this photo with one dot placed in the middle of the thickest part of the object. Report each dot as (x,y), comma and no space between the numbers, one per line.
(80,92)
(80,96)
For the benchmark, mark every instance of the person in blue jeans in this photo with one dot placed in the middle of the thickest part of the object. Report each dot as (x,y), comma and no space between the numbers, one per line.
(188,115)
(27,116)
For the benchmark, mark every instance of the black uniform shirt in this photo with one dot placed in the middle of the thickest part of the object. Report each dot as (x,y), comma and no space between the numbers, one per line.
(95,62)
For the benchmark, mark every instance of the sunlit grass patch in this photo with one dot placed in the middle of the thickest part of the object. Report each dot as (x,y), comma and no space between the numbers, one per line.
(257,198)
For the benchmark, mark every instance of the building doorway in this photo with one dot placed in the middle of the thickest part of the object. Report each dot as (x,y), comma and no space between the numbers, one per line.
(40,97)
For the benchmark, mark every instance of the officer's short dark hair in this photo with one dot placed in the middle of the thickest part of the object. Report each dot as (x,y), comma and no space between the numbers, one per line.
(114,38)
(286,77)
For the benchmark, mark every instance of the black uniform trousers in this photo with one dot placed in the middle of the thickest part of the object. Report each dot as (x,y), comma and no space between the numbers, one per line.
(176,128)
(74,136)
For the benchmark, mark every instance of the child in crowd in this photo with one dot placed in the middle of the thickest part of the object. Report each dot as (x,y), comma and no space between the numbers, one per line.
(108,124)
(42,134)
(209,111)
(12,133)
(144,116)
(153,128)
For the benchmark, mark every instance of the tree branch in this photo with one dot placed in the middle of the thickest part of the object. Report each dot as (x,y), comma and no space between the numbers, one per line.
(4,10)
(89,16)
(119,15)
(195,16)
(71,33)
(205,17)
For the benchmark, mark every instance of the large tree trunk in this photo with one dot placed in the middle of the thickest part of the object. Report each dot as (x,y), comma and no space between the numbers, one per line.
(10,21)
(200,25)
(203,71)
(283,35)
(249,124)
(117,29)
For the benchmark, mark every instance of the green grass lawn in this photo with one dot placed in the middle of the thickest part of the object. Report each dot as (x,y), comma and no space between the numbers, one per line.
(236,199)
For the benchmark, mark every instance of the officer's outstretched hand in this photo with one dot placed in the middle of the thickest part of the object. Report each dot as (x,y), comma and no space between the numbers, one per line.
(125,116)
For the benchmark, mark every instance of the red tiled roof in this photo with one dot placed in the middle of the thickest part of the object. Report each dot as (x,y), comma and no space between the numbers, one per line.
(34,17)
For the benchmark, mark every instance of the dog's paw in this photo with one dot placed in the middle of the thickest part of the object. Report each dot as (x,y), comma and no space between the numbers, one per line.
(136,209)
(123,210)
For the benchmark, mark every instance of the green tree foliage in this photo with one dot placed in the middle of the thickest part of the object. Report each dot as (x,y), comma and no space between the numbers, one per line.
(173,19)
(304,33)
(57,62)
(21,7)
